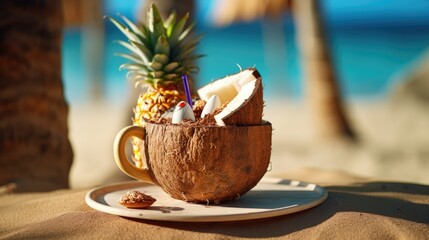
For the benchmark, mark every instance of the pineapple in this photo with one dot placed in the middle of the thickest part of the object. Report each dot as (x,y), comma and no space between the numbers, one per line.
(161,52)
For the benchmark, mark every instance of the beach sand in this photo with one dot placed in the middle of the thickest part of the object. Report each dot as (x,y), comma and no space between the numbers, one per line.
(393,142)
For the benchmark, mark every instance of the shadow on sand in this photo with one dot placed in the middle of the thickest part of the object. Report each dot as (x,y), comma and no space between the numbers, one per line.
(394,200)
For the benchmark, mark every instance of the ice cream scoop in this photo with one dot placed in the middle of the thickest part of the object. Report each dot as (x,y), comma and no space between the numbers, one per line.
(212,104)
(181,112)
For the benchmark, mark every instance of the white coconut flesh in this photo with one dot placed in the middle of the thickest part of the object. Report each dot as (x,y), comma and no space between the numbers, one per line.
(227,88)
(242,97)
(235,90)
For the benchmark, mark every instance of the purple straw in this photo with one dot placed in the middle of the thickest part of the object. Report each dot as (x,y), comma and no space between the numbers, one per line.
(187,91)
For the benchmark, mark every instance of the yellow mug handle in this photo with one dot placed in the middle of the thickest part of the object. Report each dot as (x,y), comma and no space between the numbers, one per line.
(121,158)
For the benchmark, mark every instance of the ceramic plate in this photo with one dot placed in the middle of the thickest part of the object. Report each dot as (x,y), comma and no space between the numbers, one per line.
(270,198)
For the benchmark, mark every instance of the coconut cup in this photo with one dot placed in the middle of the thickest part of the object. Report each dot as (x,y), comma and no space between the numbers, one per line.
(199,163)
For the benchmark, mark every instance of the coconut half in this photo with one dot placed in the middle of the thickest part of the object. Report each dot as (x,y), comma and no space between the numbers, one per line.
(244,98)
(228,87)
(244,109)
(203,163)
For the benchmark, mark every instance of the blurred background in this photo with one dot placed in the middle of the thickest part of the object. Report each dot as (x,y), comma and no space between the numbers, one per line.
(373,44)
(379,55)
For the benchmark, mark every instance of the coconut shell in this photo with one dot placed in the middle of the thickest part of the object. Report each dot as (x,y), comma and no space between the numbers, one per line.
(207,163)
(246,109)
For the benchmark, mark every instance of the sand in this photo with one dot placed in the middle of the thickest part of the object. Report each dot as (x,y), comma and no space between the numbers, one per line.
(393,142)
(364,210)
(361,204)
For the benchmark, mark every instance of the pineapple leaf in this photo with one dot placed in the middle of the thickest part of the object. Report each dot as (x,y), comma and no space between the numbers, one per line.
(136,76)
(126,45)
(180,70)
(161,58)
(142,51)
(138,83)
(186,46)
(194,69)
(146,31)
(133,66)
(135,50)
(149,81)
(155,23)
(195,40)
(153,17)
(170,76)
(130,24)
(189,62)
(158,74)
(162,45)
(177,31)
(140,33)
(156,66)
(126,31)
(130,57)
(170,67)
(170,22)
(186,32)
(184,54)
(191,58)
(155,82)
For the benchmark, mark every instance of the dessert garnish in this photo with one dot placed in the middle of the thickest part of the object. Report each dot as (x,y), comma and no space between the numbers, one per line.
(136,199)
(183,111)
(212,104)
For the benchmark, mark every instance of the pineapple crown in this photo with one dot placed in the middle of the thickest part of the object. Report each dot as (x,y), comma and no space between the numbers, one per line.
(161,51)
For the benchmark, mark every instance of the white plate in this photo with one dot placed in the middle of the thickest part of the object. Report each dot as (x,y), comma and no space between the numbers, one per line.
(270,198)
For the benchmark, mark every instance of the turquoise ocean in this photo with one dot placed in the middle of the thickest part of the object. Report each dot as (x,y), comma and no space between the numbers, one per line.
(371,51)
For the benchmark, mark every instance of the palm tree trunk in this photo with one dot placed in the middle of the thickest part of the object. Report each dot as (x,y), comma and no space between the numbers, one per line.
(323,94)
(35,152)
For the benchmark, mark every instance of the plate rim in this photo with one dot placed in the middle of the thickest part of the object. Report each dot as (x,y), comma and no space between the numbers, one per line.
(90,199)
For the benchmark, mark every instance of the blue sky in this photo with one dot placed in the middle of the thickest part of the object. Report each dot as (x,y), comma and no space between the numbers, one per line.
(396,12)
(379,11)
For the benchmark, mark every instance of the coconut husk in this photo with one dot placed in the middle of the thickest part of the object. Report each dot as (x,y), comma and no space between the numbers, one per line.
(207,163)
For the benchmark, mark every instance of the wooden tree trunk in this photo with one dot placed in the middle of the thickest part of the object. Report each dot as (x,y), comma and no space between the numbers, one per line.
(323,94)
(35,152)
